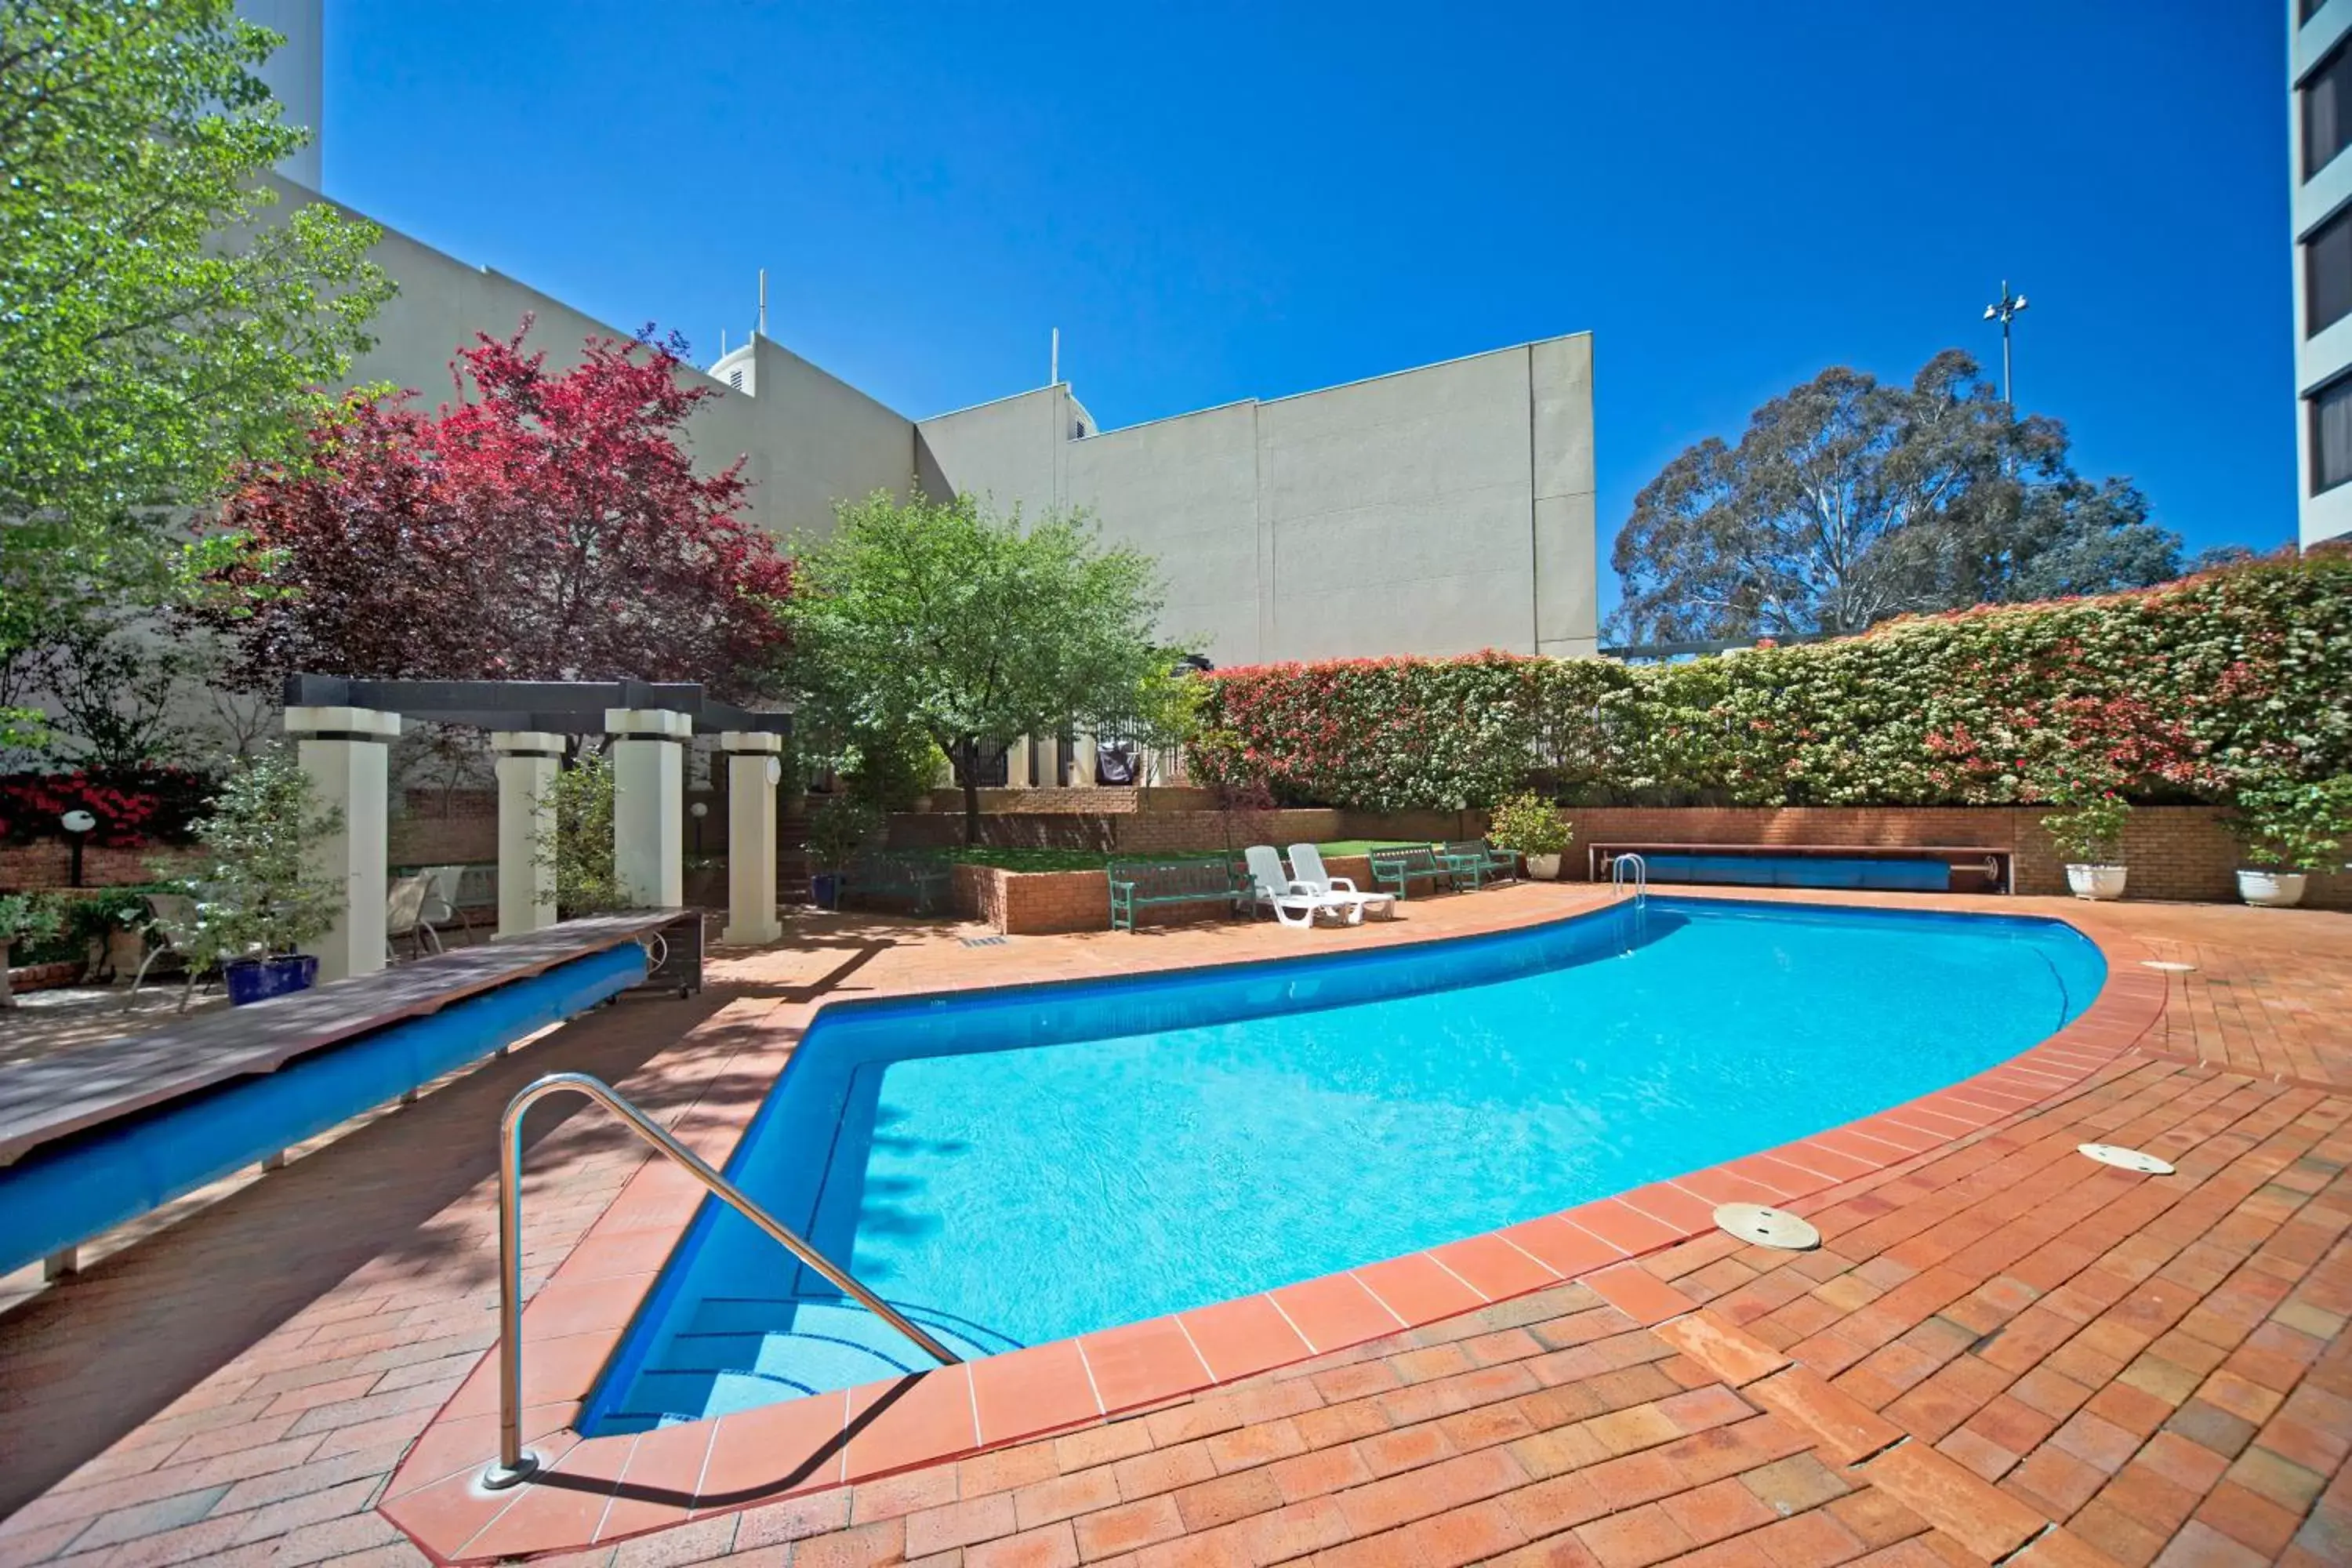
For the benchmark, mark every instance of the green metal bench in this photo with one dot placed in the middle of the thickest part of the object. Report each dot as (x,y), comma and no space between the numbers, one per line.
(1394,870)
(922,876)
(1479,862)
(1143,884)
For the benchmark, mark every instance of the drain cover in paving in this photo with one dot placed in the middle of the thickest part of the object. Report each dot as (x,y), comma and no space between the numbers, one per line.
(1768,1226)
(2146,1164)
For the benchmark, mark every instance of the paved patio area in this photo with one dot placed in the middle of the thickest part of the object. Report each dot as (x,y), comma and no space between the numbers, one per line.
(2001,1351)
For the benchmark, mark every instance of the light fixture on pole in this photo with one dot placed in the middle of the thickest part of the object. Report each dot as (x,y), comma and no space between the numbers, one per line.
(2004,310)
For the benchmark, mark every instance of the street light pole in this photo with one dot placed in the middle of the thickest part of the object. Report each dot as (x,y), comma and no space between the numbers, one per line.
(2004,310)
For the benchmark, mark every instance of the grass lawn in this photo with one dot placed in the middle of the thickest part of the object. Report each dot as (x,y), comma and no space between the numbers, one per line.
(1096,859)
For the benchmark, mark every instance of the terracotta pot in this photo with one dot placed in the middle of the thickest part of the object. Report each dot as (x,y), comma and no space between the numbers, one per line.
(124,949)
(2101,882)
(2271,889)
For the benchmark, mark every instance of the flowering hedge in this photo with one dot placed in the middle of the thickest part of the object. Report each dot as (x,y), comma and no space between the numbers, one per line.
(2174,693)
(151,805)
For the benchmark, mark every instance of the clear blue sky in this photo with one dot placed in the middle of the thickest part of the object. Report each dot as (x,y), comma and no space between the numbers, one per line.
(1214,202)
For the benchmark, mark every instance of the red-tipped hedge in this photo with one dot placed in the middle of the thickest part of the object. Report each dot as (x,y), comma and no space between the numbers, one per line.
(2177,692)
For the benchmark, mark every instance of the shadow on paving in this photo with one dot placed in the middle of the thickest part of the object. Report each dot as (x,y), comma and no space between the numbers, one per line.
(88,1360)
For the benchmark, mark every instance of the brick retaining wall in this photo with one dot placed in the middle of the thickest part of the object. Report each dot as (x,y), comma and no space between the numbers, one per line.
(1134,833)
(2177,852)
(1045,904)
(1084,800)
(49,864)
(415,840)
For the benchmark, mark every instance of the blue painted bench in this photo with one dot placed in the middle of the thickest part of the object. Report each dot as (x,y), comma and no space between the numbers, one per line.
(93,1136)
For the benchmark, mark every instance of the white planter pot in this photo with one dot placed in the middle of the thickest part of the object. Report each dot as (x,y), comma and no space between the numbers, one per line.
(2271,889)
(1544,868)
(2096,881)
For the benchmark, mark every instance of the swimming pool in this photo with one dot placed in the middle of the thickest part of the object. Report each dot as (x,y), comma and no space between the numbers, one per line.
(1027,1164)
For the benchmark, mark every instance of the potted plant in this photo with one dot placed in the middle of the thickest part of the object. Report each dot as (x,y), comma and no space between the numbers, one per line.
(838,830)
(1529,824)
(2289,830)
(257,898)
(2089,832)
(23,917)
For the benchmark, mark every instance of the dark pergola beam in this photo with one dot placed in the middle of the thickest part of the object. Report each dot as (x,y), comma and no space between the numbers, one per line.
(555,707)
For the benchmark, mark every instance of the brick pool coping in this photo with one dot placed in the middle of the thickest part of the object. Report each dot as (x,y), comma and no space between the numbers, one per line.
(599,1490)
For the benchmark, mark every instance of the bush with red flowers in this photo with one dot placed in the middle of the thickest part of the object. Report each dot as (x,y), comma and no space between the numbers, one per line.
(134,809)
(2177,693)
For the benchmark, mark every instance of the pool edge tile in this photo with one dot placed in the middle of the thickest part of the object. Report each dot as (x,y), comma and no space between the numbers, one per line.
(1136,1364)
(1243,1336)
(1333,1310)
(1419,1288)
(1041,1388)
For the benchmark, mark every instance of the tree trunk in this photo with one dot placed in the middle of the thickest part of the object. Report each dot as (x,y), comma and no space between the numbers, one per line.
(968,774)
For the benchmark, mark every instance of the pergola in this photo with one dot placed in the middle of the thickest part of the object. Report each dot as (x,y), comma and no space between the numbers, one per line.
(342,728)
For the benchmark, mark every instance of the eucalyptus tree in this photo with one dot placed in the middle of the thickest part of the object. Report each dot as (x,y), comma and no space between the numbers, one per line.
(1849,500)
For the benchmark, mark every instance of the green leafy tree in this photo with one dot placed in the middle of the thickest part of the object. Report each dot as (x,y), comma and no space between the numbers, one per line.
(158,323)
(935,617)
(578,847)
(1849,501)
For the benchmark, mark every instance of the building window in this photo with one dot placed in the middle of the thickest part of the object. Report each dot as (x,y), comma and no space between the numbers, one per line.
(2326,111)
(2331,435)
(2327,275)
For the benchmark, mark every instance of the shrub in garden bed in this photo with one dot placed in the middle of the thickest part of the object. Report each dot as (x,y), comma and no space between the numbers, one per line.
(2181,692)
(149,805)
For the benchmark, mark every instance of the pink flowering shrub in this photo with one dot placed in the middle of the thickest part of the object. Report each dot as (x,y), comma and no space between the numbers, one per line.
(2177,693)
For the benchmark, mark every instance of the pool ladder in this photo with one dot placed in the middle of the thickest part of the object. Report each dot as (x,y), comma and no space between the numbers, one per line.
(516,1465)
(1617,866)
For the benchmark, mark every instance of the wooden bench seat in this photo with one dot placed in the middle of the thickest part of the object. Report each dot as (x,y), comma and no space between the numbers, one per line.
(1395,867)
(1144,884)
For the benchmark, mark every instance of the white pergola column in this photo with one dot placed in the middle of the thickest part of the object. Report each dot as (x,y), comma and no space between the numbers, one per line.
(1016,765)
(649,805)
(343,751)
(527,763)
(755,765)
(1082,760)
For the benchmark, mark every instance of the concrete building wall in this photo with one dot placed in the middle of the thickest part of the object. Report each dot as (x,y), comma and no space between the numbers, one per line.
(1436,511)
(1186,489)
(809,437)
(1008,453)
(2323,358)
(295,75)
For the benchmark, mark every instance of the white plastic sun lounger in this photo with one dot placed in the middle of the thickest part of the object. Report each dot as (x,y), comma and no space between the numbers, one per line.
(1292,903)
(1306,871)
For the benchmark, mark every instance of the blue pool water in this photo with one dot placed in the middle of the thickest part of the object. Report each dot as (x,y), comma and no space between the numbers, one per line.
(1025,1164)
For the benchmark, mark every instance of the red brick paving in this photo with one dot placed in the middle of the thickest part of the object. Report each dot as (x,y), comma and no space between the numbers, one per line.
(2101,1366)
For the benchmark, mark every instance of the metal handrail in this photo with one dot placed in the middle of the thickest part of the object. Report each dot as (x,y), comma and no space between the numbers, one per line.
(516,1465)
(1641,877)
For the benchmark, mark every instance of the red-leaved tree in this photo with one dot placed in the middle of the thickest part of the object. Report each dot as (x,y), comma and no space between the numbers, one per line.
(547,527)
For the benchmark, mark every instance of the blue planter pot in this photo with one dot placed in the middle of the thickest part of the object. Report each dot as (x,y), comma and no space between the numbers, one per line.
(259,979)
(824,890)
